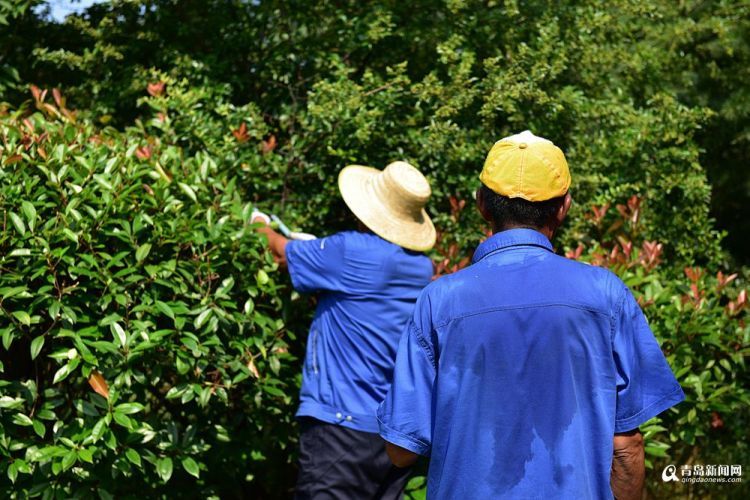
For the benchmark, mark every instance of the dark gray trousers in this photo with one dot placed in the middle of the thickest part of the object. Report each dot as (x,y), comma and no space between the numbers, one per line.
(340,463)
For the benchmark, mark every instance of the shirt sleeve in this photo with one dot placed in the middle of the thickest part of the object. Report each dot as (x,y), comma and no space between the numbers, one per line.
(646,385)
(316,265)
(405,417)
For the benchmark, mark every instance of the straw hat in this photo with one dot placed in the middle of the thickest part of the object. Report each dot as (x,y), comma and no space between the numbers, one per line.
(390,203)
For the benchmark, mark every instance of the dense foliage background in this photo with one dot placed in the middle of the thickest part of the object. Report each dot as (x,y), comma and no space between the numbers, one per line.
(148,342)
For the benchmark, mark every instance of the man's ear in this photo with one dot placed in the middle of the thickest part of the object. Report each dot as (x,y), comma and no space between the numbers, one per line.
(562,212)
(481,205)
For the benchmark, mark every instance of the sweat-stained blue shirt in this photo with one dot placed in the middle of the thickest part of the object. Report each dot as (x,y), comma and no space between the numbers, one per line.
(367,290)
(515,373)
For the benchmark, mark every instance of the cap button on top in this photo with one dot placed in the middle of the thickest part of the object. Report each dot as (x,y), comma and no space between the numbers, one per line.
(522,145)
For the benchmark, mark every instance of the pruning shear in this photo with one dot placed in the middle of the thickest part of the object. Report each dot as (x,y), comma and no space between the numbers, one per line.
(292,235)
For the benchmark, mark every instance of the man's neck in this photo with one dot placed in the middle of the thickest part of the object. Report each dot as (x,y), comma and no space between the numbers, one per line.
(546,231)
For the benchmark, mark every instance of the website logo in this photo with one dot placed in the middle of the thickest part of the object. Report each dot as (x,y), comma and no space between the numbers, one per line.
(699,473)
(669,473)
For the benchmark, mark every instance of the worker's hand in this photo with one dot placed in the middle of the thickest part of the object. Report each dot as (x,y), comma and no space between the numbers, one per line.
(258,216)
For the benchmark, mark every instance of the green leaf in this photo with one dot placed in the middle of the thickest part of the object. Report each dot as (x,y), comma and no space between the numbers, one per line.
(119,334)
(8,337)
(129,408)
(69,459)
(122,419)
(205,395)
(274,391)
(36,346)
(18,223)
(191,467)
(142,252)
(86,455)
(165,309)
(22,420)
(29,212)
(133,456)
(164,468)
(275,364)
(11,402)
(12,472)
(70,235)
(23,317)
(262,277)
(201,319)
(39,428)
(7,293)
(65,370)
(103,182)
(188,191)
(98,430)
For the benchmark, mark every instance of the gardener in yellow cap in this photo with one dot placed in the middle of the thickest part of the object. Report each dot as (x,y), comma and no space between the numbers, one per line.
(526,375)
(368,281)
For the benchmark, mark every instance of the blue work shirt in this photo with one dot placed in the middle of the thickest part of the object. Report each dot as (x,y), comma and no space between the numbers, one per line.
(368,288)
(516,372)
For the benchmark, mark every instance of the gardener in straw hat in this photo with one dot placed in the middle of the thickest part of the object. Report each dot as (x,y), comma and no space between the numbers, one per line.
(526,375)
(368,281)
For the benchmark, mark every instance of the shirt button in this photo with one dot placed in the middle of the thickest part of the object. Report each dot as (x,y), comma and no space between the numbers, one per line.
(348,418)
(522,145)
(339,415)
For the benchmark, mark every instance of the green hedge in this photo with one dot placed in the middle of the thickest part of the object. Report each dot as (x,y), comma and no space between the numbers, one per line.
(143,341)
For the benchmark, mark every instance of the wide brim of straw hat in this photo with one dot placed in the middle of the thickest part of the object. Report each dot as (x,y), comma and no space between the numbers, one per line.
(378,211)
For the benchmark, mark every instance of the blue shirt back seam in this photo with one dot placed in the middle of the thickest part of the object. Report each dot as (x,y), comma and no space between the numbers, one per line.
(524,306)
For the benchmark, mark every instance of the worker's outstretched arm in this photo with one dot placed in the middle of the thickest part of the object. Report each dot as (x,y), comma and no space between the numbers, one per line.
(628,466)
(276,242)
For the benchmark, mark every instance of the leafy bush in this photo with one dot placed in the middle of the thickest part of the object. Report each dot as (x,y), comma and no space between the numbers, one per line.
(431,81)
(143,340)
(700,318)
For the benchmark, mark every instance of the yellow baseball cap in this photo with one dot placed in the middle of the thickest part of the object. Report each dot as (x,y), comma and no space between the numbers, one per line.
(526,166)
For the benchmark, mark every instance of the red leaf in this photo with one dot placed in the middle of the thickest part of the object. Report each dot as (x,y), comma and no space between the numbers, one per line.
(269,145)
(253,369)
(13,159)
(155,89)
(599,213)
(716,421)
(693,273)
(241,133)
(36,92)
(575,254)
(97,382)
(143,153)
(724,280)
(59,99)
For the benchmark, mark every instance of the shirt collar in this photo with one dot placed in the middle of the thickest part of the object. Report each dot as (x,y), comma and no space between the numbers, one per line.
(510,238)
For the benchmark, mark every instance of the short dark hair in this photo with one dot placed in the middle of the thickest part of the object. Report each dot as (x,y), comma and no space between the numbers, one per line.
(514,212)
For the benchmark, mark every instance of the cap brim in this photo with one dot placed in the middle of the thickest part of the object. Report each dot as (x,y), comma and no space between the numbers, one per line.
(355,185)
